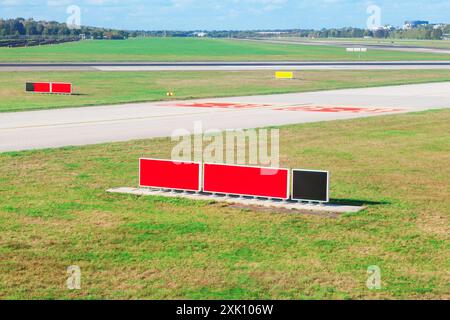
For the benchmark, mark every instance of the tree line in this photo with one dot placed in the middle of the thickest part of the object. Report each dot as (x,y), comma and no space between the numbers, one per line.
(420,33)
(29,28)
(21,28)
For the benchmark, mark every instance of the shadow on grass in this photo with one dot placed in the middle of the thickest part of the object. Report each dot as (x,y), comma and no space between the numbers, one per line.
(358,203)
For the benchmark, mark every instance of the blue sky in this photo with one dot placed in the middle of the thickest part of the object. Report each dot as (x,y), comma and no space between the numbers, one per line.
(228,14)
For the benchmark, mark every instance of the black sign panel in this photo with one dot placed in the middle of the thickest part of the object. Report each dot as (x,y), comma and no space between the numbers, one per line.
(310,185)
(30,87)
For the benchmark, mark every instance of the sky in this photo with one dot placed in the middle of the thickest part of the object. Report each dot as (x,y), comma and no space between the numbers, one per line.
(228,14)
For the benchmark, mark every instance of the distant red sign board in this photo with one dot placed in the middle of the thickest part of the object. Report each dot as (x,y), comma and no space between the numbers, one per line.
(49,87)
(221,105)
(42,87)
(246,181)
(61,88)
(332,109)
(167,174)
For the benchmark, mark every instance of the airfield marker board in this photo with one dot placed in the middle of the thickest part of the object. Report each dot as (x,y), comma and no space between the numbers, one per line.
(246,181)
(284,75)
(39,87)
(49,87)
(359,50)
(356,49)
(63,88)
(310,185)
(168,174)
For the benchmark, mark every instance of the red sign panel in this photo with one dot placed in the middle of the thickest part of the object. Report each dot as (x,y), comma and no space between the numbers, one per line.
(49,87)
(246,181)
(42,87)
(167,174)
(61,88)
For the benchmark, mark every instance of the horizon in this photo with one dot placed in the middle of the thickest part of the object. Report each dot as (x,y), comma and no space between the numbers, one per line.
(227,15)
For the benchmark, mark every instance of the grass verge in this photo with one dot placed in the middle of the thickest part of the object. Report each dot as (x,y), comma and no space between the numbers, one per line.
(54,213)
(188,49)
(97,88)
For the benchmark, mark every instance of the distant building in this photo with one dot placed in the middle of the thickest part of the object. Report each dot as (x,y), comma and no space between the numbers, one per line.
(384,28)
(200,34)
(272,33)
(439,26)
(415,24)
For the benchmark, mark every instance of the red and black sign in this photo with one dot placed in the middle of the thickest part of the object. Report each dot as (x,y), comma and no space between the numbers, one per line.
(49,87)
(167,174)
(273,183)
(246,181)
(310,185)
(41,87)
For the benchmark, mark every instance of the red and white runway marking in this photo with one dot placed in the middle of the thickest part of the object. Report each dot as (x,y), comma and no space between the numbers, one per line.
(331,109)
(217,105)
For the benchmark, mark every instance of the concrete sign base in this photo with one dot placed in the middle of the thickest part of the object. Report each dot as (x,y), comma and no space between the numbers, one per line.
(245,201)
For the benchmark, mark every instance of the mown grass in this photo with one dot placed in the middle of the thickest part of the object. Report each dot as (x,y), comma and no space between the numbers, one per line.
(54,213)
(444,44)
(188,49)
(96,88)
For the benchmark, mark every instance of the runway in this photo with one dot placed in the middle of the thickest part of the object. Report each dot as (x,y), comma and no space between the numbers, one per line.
(92,125)
(226,66)
(351,44)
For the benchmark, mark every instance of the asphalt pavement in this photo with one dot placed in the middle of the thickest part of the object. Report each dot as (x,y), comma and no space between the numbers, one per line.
(226,66)
(93,125)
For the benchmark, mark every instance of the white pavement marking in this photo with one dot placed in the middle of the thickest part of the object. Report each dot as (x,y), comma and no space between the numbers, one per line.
(92,125)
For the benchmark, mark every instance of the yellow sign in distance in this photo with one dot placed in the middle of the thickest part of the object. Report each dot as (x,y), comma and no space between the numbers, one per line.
(284,75)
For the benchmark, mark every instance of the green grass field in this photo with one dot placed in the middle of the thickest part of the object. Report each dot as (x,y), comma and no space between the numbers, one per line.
(188,49)
(54,212)
(96,88)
